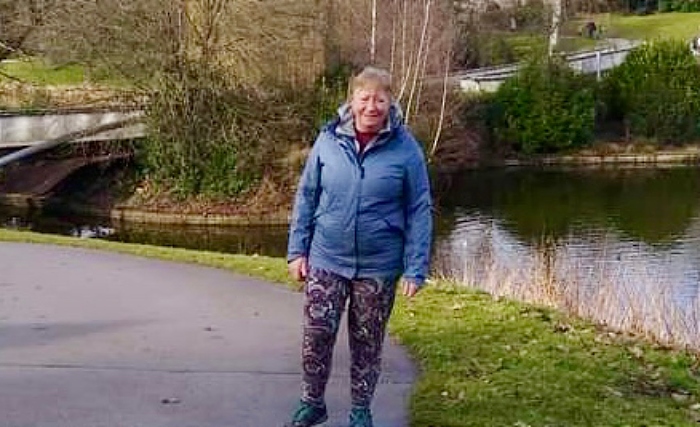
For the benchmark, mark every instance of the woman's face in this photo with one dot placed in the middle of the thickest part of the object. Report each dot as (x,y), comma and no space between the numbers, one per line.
(370,108)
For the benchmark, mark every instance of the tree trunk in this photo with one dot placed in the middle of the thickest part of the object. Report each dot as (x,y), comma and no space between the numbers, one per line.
(373,41)
(556,23)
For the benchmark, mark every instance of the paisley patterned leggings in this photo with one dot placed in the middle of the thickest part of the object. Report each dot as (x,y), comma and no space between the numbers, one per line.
(369,308)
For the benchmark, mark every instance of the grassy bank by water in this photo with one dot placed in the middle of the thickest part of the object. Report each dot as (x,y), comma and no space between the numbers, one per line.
(488,362)
(500,363)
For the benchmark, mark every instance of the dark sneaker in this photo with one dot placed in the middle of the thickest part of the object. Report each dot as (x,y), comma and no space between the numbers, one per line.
(308,415)
(360,416)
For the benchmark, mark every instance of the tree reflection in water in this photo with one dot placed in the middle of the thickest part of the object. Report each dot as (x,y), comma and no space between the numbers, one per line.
(621,246)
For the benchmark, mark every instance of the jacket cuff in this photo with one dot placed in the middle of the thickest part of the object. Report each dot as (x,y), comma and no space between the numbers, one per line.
(292,257)
(418,281)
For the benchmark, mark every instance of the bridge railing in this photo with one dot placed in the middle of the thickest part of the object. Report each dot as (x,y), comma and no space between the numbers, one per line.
(588,62)
(19,130)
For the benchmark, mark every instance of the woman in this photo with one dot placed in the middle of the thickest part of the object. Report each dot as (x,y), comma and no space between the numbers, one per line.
(362,219)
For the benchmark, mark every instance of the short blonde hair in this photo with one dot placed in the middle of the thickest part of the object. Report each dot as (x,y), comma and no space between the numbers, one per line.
(370,77)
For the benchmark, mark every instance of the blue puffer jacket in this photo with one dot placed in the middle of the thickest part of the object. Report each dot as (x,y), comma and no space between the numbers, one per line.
(364,216)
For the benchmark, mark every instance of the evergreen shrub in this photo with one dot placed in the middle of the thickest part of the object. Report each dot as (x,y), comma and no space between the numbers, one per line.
(547,107)
(679,6)
(656,92)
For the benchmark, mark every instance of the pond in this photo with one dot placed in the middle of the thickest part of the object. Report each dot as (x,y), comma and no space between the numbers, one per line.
(621,245)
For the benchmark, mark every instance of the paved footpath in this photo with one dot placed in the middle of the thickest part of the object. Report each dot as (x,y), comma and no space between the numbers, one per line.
(97,339)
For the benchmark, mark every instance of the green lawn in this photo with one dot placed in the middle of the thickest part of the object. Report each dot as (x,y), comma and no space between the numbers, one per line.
(40,73)
(493,363)
(661,25)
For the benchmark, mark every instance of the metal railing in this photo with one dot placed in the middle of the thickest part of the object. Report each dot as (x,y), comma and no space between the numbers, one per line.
(19,130)
(589,62)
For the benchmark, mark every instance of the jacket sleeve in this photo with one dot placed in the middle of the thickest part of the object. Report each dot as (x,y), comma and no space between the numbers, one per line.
(419,219)
(301,227)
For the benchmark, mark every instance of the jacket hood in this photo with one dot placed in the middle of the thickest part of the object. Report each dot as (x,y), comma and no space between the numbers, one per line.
(344,122)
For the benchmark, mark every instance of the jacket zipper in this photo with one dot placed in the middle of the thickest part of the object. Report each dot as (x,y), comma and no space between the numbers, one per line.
(359,157)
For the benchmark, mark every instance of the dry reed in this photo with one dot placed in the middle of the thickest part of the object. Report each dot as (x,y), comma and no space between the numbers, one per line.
(633,297)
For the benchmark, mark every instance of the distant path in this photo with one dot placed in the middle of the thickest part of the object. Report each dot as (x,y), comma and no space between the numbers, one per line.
(96,339)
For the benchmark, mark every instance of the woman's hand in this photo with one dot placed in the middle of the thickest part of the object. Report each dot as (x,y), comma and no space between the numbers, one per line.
(298,268)
(409,288)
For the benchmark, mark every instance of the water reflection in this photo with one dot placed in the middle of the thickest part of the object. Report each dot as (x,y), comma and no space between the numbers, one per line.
(621,246)
(261,240)
(604,213)
(51,222)
(652,205)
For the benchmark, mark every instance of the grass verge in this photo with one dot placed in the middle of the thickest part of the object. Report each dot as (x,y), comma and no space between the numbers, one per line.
(488,362)
(493,362)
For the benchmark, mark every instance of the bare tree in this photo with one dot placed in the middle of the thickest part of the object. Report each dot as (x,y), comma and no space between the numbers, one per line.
(418,42)
(373,41)
(421,56)
(411,38)
(140,39)
(408,37)
(443,106)
(19,20)
(129,38)
(555,27)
